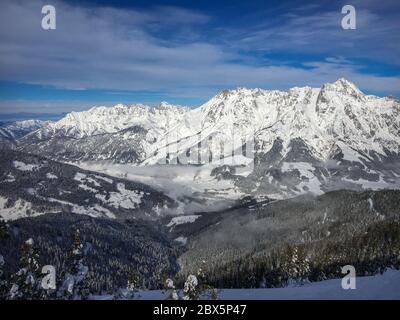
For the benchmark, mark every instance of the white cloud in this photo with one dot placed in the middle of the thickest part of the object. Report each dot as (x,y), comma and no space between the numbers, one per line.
(161,49)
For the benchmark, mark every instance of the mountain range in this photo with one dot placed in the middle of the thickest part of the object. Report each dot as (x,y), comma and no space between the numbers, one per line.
(10,132)
(301,140)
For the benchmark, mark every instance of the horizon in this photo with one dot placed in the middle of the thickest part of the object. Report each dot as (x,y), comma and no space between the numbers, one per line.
(21,116)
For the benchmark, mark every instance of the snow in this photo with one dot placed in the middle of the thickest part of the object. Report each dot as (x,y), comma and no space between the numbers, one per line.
(20,209)
(104,179)
(19,165)
(306,170)
(334,113)
(49,175)
(83,178)
(373,185)
(236,160)
(102,119)
(371,204)
(350,154)
(181,240)
(377,287)
(182,219)
(87,188)
(128,199)
(18,129)
(178,182)
(384,286)
(95,211)
(93,181)
(80,177)
(27,124)
(9,178)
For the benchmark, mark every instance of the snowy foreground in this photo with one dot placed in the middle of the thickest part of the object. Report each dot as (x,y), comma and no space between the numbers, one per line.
(386,286)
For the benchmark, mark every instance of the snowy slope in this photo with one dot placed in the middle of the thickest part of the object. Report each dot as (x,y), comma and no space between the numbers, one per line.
(385,286)
(10,132)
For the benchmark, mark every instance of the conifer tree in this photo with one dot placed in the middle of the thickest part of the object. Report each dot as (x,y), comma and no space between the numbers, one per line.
(204,288)
(190,289)
(26,282)
(74,285)
(171,292)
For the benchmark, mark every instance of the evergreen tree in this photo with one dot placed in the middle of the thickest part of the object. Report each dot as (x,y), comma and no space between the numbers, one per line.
(131,289)
(171,292)
(204,288)
(190,289)
(74,285)
(133,280)
(26,282)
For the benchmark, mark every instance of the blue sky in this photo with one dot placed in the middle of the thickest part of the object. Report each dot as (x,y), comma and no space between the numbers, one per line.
(184,52)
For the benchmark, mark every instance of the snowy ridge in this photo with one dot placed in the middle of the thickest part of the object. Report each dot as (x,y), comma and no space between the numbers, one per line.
(100,120)
(10,132)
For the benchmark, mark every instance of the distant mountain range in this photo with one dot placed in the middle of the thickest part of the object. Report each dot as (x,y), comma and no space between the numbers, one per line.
(10,132)
(305,139)
(21,116)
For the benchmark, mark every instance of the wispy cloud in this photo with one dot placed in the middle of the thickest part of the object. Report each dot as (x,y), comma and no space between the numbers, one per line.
(166,49)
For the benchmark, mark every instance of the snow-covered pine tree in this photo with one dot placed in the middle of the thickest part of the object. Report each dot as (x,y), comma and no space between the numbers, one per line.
(190,289)
(26,282)
(289,265)
(74,286)
(204,288)
(303,264)
(171,292)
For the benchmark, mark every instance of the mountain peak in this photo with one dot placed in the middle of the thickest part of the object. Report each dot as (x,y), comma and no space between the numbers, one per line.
(344,83)
(343,86)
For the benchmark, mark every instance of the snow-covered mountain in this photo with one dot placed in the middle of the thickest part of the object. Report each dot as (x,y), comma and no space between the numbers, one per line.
(319,116)
(122,133)
(300,140)
(12,131)
(100,120)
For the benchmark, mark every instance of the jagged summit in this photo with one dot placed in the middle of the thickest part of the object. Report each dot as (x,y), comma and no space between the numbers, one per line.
(340,83)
